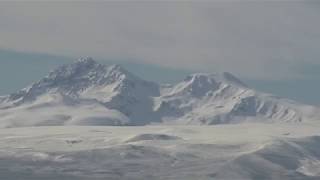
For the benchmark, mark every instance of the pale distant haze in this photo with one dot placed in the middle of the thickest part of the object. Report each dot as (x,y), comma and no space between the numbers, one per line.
(271,45)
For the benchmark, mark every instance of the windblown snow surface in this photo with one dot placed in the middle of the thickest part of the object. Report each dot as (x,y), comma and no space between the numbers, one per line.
(228,152)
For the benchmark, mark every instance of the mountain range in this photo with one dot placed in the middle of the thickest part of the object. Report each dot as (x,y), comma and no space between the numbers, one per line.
(88,93)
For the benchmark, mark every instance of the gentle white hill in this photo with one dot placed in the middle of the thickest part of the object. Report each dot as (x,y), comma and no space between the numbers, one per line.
(287,151)
(88,93)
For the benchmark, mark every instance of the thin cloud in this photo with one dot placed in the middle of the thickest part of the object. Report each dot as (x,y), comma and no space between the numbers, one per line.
(252,39)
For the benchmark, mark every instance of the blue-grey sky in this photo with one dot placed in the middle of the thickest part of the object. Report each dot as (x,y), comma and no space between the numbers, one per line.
(272,45)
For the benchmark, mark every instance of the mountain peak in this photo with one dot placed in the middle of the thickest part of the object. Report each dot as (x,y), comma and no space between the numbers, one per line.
(83,63)
(199,84)
(81,68)
(76,78)
(86,61)
(224,77)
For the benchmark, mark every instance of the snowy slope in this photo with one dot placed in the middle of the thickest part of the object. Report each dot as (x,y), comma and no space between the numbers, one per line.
(216,99)
(89,93)
(252,151)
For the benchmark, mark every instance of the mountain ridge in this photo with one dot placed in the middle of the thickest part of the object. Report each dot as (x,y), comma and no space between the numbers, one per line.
(200,99)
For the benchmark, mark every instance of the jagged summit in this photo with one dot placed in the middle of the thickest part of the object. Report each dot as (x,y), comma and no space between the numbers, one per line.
(87,68)
(90,79)
(86,60)
(72,79)
(224,77)
(79,69)
(87,71)
(200,84)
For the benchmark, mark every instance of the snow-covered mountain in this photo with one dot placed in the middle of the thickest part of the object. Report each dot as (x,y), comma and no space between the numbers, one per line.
(89,93)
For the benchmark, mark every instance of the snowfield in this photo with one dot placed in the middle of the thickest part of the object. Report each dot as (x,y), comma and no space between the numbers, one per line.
(228,152)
